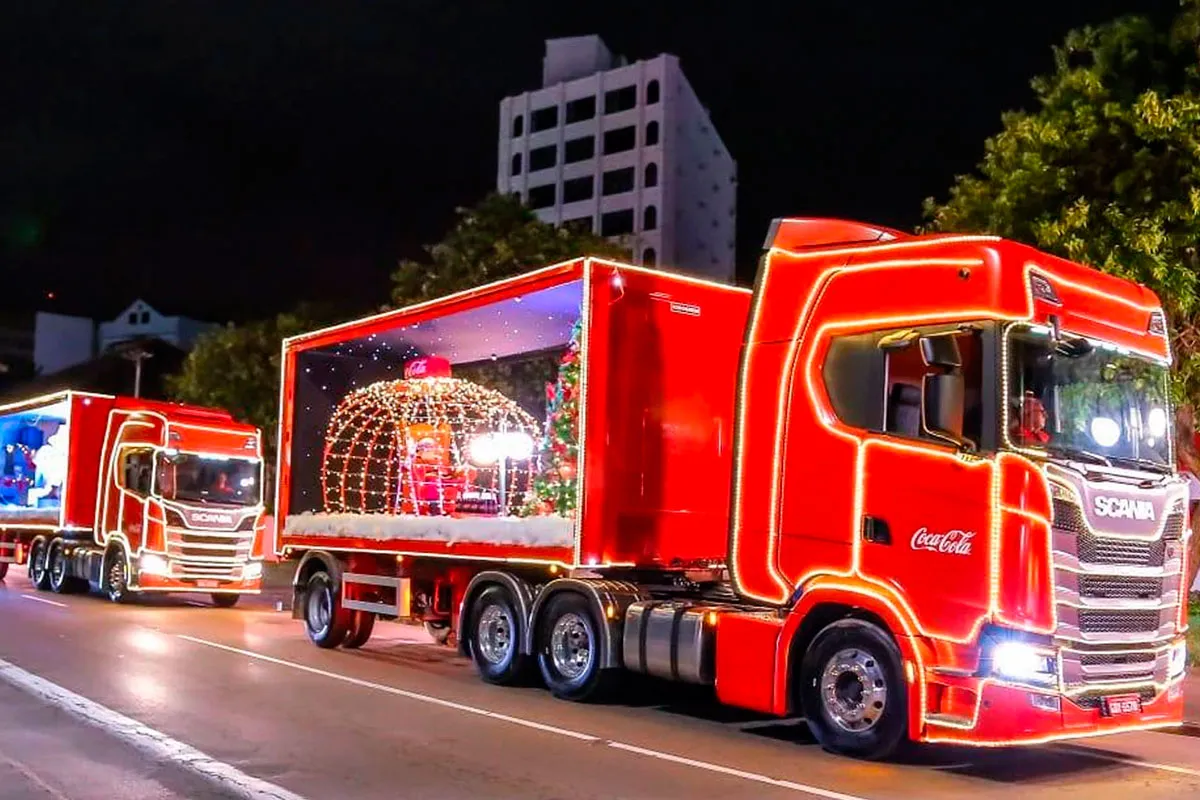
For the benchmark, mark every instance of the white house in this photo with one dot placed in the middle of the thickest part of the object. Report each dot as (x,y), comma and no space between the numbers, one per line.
(62,341)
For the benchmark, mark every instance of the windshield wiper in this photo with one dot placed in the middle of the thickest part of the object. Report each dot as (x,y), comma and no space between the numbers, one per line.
(1146,463)
(1079,454)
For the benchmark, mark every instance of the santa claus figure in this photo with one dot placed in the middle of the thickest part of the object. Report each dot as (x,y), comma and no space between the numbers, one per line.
(51,462)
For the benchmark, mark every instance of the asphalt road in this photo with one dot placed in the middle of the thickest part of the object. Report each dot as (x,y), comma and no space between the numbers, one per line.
(406,718)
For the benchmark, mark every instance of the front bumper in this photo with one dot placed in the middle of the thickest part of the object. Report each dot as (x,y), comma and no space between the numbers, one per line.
(162,583)
(1007,714)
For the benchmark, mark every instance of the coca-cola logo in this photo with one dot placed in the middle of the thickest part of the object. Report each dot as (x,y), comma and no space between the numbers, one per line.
(956,543)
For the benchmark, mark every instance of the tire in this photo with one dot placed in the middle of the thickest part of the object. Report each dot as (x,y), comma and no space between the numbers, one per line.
(494,634)
(115,579)
(853,692)
(361,625)
(56,564)
(225,599)
(325,621)
(570,649)
(39,574)
(440,632)
(3,569)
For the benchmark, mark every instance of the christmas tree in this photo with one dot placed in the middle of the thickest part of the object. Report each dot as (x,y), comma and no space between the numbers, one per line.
(554,487)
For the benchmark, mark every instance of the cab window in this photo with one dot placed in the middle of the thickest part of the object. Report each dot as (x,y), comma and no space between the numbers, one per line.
(137,469)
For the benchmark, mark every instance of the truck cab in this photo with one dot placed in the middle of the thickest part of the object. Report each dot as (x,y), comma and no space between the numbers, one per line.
(969,442)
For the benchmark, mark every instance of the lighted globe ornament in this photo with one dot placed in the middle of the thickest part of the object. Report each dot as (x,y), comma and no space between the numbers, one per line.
(427,444)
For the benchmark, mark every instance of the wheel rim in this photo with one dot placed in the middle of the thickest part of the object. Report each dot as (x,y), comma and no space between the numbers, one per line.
(854,690)
(494,634)
(320,611)
(116,576)
(571,646)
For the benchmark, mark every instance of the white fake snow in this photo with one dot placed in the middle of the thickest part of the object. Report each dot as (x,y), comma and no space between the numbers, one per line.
(548,531)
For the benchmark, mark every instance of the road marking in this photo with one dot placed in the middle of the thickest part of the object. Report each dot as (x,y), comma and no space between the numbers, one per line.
(32,777)
(37,599)
(1133,762)
(814,791)
(153,743)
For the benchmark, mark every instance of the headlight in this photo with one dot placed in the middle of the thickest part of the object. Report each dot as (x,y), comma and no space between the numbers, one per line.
(150,564)
(1178,660)
(1020,661)
(253,571)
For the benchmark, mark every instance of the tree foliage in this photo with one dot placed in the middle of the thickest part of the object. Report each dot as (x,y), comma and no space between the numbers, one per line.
(236,368)
(1106,171)
(495,239)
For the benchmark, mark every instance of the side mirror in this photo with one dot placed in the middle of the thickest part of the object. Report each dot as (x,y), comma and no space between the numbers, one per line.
(942,407)
(941,351)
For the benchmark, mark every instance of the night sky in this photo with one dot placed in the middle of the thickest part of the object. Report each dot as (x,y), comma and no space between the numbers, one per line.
(228,159)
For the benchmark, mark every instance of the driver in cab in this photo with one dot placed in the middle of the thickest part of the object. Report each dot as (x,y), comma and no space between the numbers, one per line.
(1031,427)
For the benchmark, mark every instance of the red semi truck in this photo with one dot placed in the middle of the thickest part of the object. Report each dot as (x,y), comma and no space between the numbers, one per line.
(128,496)
(911,487)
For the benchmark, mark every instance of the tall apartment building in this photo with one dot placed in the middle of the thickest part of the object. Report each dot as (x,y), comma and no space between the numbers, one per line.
(626,150)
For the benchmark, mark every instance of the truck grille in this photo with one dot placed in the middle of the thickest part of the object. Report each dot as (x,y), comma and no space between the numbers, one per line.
(208,554)
(1092,702)
(1118,621)
(1115,587)
(1098,604)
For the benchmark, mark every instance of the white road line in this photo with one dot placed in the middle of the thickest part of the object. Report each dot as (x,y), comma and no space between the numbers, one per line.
(1132,762)
(154,744)
(32,777)
(814,791)
(37,599)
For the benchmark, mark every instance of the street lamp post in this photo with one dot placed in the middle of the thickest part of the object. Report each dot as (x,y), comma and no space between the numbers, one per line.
(137,354)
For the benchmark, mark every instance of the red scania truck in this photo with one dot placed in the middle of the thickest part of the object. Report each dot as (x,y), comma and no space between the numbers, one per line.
(128,496)
(910,487)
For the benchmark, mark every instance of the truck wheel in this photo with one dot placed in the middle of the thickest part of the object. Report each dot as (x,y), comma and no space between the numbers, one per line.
(326,622)
(494,638)
(568,647)
(853,692)
(225,599)
(116,577)
(39,573)
(361,625)
(60,581)
(3,569)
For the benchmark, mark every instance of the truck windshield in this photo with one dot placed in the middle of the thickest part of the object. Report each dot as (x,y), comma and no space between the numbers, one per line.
(1087,401)
(189,478)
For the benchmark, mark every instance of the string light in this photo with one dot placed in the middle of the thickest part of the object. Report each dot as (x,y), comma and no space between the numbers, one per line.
(401,447)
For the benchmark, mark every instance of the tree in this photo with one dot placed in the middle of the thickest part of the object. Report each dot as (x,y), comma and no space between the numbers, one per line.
(236,368)
(1106,171)
(495,239)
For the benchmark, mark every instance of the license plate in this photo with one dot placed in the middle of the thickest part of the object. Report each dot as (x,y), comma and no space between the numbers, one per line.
(1123,704)
(207,584)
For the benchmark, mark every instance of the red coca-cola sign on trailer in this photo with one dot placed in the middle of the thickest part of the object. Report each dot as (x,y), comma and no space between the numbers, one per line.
(427,367)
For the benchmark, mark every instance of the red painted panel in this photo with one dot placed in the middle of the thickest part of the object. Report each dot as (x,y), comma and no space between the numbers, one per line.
(746,644)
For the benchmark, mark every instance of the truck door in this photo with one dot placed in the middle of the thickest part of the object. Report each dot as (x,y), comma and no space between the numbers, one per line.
(925,498)
(129,486)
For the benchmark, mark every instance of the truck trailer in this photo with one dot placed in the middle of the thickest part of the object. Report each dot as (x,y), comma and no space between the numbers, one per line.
(909,487)
(126,496)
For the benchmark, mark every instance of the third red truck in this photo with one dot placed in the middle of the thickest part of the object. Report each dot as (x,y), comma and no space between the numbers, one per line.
(911,487)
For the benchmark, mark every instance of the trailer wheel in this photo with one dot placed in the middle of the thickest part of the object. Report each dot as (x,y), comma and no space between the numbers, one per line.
(363,622)
(494,638)
(116,576)
(39,573)
(568,647)
(56,564)
(225,599)
(853,691)
(326,622)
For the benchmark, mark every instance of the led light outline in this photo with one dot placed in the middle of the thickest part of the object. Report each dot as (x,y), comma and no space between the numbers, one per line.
(33,404)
